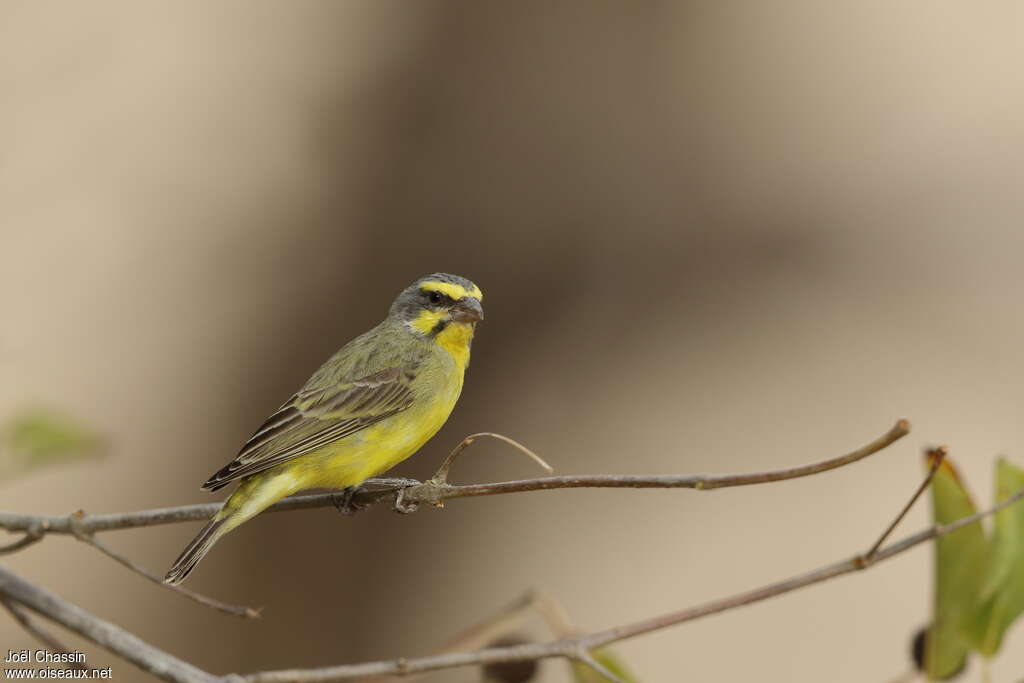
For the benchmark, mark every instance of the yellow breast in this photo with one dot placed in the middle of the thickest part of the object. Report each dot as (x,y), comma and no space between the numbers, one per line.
(377,449)
(398,437)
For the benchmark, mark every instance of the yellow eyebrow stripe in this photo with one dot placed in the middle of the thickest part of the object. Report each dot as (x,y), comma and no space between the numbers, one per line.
(454,291)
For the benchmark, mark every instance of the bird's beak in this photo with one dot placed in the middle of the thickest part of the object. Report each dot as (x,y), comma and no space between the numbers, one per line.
(467,310)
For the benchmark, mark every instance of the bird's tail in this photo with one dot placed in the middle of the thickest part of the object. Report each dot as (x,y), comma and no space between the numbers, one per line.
(196,550)
(249,499)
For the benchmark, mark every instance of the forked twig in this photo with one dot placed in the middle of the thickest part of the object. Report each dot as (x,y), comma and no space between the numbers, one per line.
(935,459)
(565,647)
(169,668)
(583,656)
(433,493)
(25,541)
(109,636)
(441,476)
(33,534)
(501,623)
(577,648)
(234,610)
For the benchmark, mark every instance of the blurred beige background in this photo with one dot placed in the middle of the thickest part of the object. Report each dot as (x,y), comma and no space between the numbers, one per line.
(713,236)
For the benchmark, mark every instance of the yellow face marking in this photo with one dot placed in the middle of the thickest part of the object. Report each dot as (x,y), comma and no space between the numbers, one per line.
(454,291)
(427,320)
(455,338)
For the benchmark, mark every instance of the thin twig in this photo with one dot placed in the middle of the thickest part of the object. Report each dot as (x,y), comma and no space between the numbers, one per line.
(935,458)
(25,541)
(845,567)
(584,657)
(555,615)
(501,623)
(33,534)
(505,622)
(169,668)
(234,610)
(126,645)
(431,493)
(39,633)
(567,647)
(441,476)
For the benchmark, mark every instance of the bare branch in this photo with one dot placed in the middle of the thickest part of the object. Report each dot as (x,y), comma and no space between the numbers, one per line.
(584,657)
(105,634)
(34,533)
(25,541)
(505,622)
(90,539)
(40,634)
(856,563)
(568,648)
(574,648)
(935,458)
(434,493)
(441,476)
(501,623)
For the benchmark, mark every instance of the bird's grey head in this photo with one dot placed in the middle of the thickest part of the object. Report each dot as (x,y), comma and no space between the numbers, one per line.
(433,302)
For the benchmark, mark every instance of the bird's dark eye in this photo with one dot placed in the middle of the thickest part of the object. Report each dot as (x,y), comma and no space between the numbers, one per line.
(435,297)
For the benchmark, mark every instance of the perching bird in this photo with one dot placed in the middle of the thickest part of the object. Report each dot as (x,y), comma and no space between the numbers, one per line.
(371,406)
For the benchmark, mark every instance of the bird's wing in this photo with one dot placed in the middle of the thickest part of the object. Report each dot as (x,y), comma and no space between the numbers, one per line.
(315,417)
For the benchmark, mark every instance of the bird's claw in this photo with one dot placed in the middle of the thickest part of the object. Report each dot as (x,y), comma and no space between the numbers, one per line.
(399,485)
(401,506)
(391,482)
(346,500)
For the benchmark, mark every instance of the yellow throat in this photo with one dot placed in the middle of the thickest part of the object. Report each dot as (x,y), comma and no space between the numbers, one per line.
(454,337)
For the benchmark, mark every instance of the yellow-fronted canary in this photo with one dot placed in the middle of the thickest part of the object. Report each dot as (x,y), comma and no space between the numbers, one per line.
(371,406)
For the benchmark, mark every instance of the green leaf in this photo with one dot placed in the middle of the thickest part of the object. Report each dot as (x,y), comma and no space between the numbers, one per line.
(41,437)
(1002,594)
(961,559)
(581,673)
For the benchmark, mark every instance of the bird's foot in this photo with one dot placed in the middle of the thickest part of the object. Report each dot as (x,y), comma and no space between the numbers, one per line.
(402,506)
(390,483)
(346,503)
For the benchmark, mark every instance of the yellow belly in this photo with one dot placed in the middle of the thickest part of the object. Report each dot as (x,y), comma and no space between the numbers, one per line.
(374,450)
